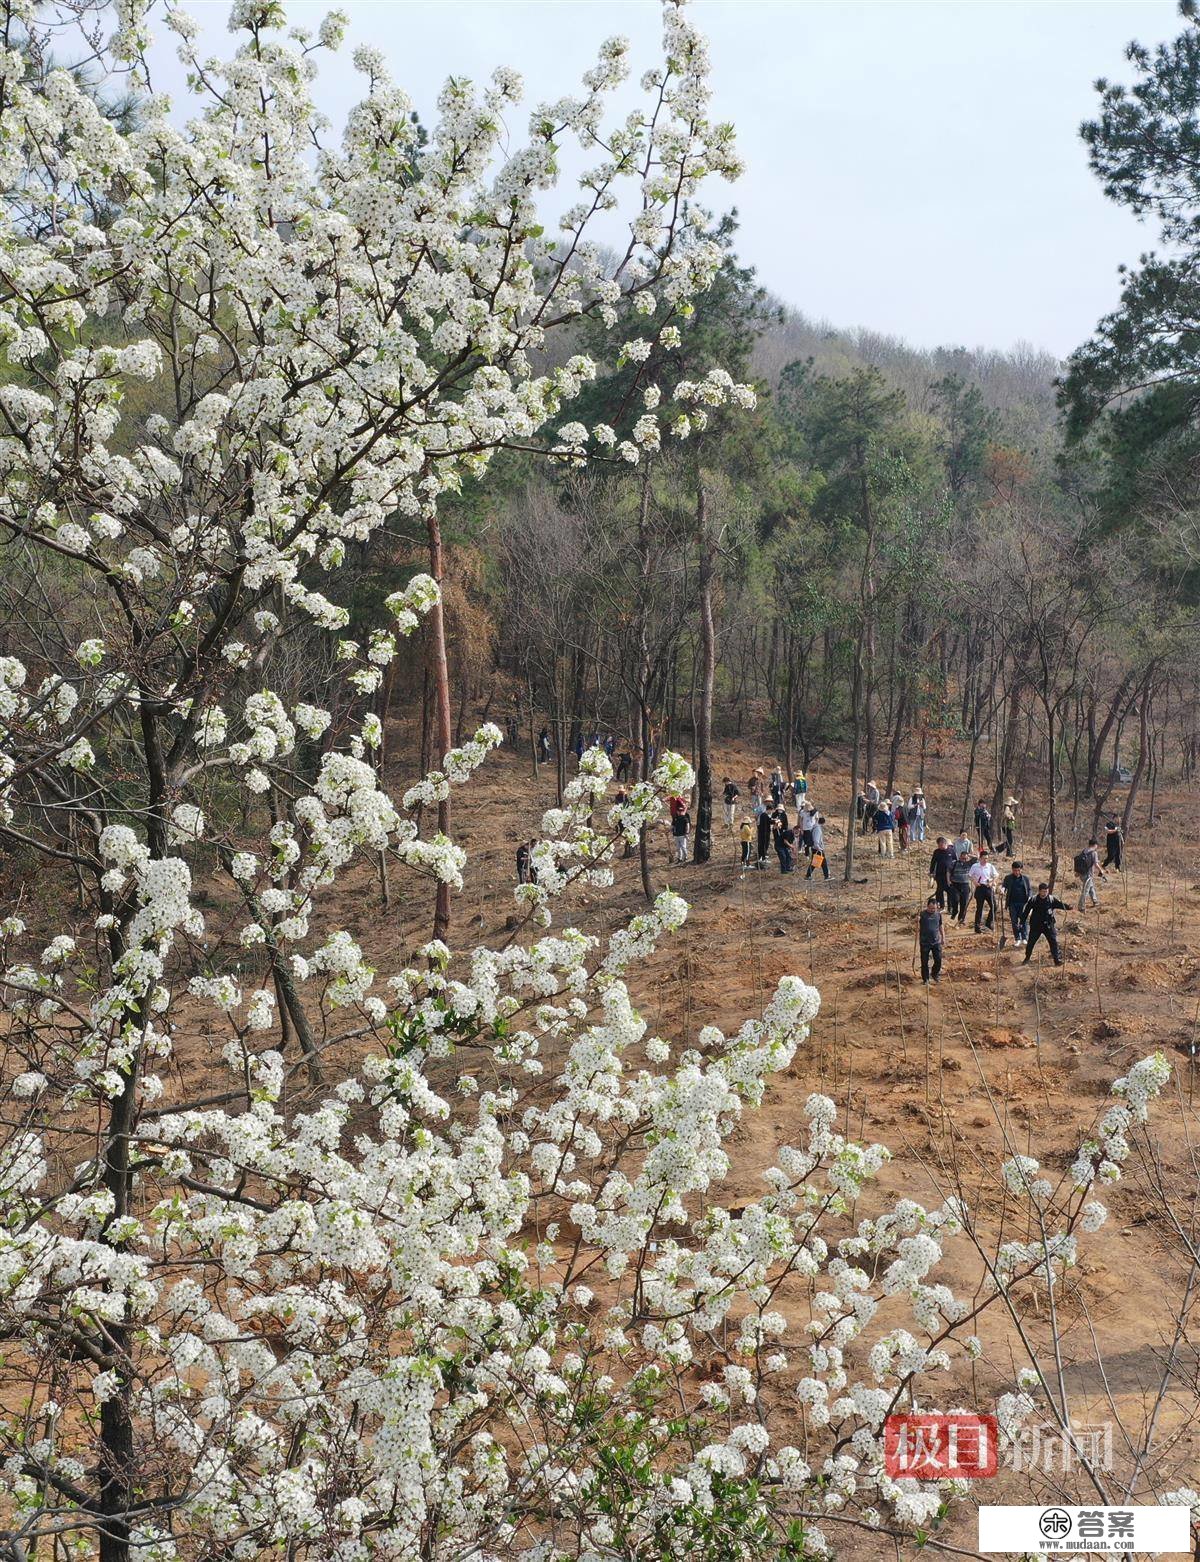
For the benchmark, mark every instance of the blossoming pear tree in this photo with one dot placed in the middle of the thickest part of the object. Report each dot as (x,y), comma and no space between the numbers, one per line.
(480,1296)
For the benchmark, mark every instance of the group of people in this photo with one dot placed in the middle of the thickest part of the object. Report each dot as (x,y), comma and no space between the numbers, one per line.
(1030,913)
(623,761)
(960,874)
(897,820)
(767,827)
(893,820)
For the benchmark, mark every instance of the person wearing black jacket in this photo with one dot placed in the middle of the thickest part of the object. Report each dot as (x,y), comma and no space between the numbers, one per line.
(785,840)
(1018,892)
(1041,922)
(940,865)
(730,797)
(764,833)
(681,823)
(1113,842)
(983,823)
(929,936)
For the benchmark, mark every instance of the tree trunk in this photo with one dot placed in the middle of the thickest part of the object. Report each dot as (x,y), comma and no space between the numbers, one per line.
(560,737)
(117,1470)
(900,716)
(1007,745)
(1096,748)
(1052,778)
(533,747)
(643,683)
(1139,769)
(442,717)
(708,670)
(966,807)
(855,725)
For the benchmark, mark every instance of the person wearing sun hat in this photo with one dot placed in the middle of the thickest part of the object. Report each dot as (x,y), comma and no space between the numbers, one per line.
(870,807)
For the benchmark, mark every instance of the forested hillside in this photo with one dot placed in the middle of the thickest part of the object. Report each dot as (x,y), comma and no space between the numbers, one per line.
(894,544)
(1018,385)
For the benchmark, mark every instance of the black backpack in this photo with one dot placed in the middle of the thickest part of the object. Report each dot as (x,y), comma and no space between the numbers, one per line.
(1083,864)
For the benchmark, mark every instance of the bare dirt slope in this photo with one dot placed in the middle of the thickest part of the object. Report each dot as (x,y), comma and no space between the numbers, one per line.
(943,1075)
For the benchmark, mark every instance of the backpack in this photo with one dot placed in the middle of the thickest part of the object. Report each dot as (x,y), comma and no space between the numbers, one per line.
(1083,864)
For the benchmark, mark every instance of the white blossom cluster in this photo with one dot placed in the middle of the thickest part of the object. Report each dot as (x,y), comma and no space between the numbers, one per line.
(379,1235)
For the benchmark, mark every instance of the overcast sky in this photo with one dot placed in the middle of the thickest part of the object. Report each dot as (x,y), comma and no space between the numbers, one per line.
(913,165)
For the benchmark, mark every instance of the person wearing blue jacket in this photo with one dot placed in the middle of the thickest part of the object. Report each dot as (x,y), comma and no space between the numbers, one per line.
(885,830)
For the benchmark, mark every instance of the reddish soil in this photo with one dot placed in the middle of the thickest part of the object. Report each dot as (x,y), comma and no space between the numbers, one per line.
(942,1075)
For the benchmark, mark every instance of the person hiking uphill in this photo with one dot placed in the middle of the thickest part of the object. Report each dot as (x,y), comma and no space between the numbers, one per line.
(1017,892)
(870,804)
(1114,845)
(818,857)
(784,838)
(1041,922)
(1087,866)
(681,823)
(763,814)
(983,823)
(730,797)
(929,936)
(885,830)
(1008,824)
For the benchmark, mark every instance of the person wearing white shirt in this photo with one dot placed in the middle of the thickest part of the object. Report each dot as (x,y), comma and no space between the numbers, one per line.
(984,878)
(808,817)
